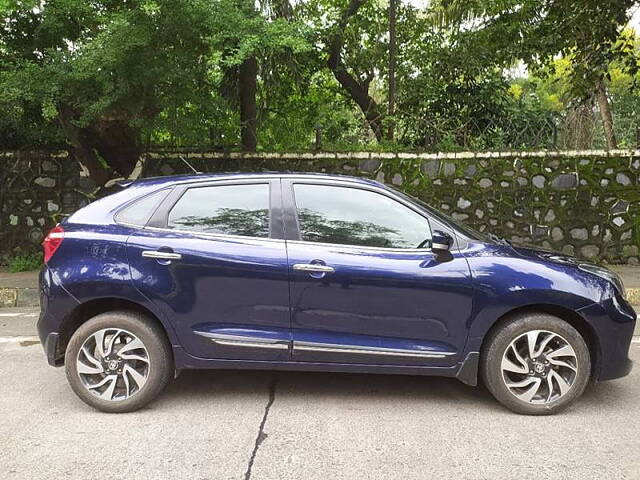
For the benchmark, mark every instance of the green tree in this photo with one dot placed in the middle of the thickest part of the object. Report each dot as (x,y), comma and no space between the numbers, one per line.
(109,78)
(102,69)
(107,74)
(588,32)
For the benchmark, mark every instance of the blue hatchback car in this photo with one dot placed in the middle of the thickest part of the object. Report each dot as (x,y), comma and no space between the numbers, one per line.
(320,273)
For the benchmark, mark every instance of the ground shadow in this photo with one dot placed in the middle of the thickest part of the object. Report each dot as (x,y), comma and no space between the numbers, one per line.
(321,386)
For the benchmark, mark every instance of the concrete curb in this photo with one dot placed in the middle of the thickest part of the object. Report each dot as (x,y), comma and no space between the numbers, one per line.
(633,295)
(19,297)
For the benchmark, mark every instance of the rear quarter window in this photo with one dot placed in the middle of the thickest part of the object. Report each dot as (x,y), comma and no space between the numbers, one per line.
(139,212)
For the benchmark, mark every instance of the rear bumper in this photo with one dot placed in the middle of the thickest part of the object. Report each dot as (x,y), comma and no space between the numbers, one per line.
(50,346)
(614,322)
(55,304)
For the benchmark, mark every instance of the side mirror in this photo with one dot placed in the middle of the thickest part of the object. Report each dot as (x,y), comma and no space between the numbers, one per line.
(441,241)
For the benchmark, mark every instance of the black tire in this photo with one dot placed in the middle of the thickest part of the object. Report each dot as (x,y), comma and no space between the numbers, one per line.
(160,358)
(500,339)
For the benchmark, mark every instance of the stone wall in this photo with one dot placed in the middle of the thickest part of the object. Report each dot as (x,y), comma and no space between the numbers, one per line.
(36,190)
(585,203)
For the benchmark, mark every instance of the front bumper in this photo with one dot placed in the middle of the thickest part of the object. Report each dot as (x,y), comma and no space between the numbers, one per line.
(613,321)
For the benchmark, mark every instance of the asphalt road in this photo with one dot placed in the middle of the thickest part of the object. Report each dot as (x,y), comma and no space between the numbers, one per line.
(282,425)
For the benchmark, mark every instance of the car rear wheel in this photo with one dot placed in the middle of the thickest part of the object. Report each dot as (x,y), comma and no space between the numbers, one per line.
(536,364)
(118,361)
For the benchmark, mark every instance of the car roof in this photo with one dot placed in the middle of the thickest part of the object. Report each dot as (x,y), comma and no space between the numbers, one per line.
(204,177)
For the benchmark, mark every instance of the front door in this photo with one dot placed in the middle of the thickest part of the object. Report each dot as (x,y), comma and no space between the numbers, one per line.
(213,259)
(365,285)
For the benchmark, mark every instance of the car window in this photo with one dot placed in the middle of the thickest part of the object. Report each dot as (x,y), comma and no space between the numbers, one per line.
(139,212)
(225,209)
(350,216)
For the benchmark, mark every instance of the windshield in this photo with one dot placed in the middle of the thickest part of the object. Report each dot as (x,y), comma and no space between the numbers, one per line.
(469,232)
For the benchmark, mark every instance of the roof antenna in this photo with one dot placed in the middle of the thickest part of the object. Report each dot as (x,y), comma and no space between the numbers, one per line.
(189,165)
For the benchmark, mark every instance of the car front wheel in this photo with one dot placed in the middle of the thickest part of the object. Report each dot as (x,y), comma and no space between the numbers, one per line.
(118,361)
(536,364)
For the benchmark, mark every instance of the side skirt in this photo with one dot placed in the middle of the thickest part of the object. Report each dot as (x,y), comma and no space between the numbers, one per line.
(466,371)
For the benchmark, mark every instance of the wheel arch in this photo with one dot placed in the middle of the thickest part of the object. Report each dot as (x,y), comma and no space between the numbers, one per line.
(570,316)
(89,309)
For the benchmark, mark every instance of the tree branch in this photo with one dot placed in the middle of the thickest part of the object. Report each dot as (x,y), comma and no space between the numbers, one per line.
(358,91)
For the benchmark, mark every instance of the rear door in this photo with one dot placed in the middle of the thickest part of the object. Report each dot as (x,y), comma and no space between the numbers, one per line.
(365,285)
(213,258)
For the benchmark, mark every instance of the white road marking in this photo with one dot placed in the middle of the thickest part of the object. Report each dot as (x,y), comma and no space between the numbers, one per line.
(10,314)
(23,338)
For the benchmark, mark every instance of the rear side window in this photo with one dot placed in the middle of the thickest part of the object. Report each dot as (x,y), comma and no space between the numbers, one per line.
(224,209)
(139,212)
(350,216)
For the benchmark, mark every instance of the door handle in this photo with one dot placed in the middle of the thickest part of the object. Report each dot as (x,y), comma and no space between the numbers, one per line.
(161,255)
(313,267)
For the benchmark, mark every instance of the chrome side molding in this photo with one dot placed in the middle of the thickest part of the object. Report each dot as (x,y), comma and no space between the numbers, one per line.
(365,350)
(230,340)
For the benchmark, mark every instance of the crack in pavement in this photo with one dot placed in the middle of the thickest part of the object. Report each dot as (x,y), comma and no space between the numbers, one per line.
(261,435)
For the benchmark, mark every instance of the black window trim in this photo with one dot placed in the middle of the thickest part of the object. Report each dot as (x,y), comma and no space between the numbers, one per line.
(292,224)
(159,220)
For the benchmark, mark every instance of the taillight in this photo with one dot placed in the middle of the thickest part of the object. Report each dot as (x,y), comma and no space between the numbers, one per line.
(52,241)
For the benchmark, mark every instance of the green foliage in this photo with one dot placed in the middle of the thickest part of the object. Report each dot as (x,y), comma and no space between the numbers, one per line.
(169,71)
(587,32)
(101,60)
(25,263)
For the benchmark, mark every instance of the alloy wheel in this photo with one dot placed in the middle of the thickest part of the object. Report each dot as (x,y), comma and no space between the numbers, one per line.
(113,364)
(539,367)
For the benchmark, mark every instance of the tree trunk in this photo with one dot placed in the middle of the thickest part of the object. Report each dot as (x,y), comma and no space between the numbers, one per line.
(359,92)
(607,117)
(393,8)
(106,147)
(318,144)
(248,111)
(579,126)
